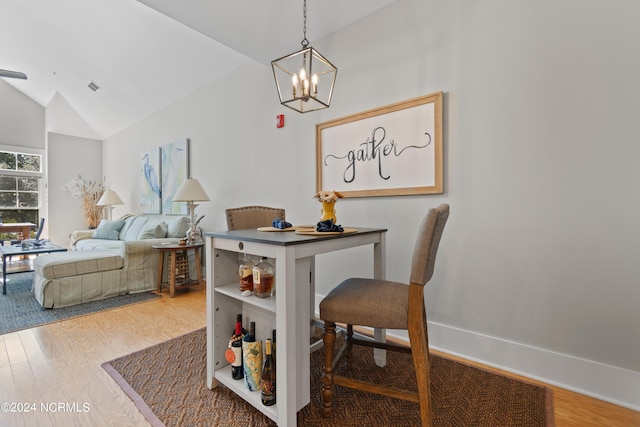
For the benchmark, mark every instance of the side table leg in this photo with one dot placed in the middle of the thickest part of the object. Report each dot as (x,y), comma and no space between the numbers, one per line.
(172,273)
(198,268)
(160,271)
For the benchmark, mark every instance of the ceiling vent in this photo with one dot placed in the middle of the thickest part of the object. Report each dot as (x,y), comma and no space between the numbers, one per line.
(94,87)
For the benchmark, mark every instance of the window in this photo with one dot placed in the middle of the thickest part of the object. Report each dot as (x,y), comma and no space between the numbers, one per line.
(20,187)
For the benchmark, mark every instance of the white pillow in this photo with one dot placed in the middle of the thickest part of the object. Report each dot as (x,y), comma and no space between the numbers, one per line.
(177,227)
(157,231)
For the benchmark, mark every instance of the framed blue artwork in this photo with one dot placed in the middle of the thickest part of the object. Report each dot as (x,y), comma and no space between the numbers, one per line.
(174,163)
(163,170)
(150,189)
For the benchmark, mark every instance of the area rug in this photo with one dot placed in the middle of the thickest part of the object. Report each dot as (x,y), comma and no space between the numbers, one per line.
(19,308)
(167,383)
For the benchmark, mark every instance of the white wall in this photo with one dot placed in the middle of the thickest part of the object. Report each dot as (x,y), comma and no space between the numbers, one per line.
(69,157)
(538,268)
(21,119)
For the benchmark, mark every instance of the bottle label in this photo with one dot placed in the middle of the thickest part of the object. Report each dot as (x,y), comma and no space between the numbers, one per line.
(256,277)
(246,279)
(266,388)
(237,353)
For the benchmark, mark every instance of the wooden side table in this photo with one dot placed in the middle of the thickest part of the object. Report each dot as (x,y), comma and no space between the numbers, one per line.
(178,267)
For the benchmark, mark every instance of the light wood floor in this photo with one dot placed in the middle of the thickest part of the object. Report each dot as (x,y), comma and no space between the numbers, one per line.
(59,364)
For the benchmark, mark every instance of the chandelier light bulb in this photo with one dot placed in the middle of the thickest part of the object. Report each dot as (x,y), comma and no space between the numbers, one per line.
(294,82)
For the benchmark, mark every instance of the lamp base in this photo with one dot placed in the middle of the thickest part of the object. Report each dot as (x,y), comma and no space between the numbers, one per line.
(194,236)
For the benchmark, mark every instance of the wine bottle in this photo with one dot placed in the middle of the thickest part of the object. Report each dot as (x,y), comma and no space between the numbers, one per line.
(268,381)
(239,319)
(252,357)
(251,337)
(237,370)
(273,345)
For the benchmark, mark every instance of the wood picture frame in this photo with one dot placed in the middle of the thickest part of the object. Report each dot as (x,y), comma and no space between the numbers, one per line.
(387,151)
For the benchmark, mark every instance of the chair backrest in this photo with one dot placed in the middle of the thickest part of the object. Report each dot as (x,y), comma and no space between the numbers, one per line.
(252,217)
(426,248)
(40,228)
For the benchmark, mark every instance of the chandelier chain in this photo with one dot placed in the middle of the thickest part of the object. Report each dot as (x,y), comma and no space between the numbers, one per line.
(304,42)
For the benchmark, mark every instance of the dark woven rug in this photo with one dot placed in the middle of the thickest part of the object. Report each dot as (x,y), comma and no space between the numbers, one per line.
(19,308)
(167,383)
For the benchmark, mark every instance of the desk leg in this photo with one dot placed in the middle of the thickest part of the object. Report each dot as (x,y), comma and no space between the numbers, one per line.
(172,273)
(160,268)
(4,275)
(379,263)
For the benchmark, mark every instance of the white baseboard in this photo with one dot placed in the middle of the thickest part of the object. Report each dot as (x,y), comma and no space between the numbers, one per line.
(605,382)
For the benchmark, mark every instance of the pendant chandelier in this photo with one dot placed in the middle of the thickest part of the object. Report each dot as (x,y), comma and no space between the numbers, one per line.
(304,79)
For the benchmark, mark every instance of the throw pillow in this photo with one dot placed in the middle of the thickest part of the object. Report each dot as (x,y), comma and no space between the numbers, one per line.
(108,229)
(157,231)
(178,227)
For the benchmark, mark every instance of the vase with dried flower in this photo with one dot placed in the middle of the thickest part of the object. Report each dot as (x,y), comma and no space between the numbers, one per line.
(328,200)
(90,192)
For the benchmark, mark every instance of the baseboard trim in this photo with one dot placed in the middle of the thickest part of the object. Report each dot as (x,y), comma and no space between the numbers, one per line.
(605,382)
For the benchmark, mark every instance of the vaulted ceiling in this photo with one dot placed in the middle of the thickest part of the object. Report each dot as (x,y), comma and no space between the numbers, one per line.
(146,54)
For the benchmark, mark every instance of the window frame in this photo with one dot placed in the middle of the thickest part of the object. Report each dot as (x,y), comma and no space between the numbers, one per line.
(14,173)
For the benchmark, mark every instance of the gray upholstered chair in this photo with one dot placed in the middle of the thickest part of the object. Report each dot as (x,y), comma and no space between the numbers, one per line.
(252,217)
(385,304)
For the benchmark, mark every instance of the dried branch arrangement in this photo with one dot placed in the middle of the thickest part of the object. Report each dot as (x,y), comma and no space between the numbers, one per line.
(90,192)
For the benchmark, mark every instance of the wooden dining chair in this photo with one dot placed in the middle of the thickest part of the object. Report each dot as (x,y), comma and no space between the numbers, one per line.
(252,217)
(385,304)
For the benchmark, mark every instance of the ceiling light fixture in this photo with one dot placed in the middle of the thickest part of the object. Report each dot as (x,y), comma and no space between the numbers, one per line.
(304,79)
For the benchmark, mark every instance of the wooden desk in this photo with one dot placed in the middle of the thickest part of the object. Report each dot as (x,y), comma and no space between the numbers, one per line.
(18,227)
(185,281)
(288,311)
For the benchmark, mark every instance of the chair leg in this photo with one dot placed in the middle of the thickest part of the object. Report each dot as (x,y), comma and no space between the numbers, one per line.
(329,339)
(349,348)
(420,353)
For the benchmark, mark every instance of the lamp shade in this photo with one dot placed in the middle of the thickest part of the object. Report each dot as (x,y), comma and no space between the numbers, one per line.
(191,191)
(110,198)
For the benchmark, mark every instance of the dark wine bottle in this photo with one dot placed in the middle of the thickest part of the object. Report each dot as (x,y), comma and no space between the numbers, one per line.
(252,332)
(268,381)
(273,345)
(237,370)
(239,319)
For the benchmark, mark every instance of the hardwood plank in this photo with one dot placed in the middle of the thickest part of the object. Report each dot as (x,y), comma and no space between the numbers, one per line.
(60,363)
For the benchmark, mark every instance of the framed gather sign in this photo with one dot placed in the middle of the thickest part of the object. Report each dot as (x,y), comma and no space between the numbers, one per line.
(387,151)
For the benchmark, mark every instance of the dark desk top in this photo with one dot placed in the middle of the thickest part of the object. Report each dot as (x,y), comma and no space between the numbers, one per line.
(284,238)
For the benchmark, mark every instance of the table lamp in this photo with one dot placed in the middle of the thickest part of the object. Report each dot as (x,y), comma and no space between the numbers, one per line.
(191,191)
(109,199)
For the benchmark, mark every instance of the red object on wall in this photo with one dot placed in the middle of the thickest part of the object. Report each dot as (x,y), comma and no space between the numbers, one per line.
(280,121)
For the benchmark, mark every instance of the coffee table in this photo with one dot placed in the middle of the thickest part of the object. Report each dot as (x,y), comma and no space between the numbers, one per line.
(16,250)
